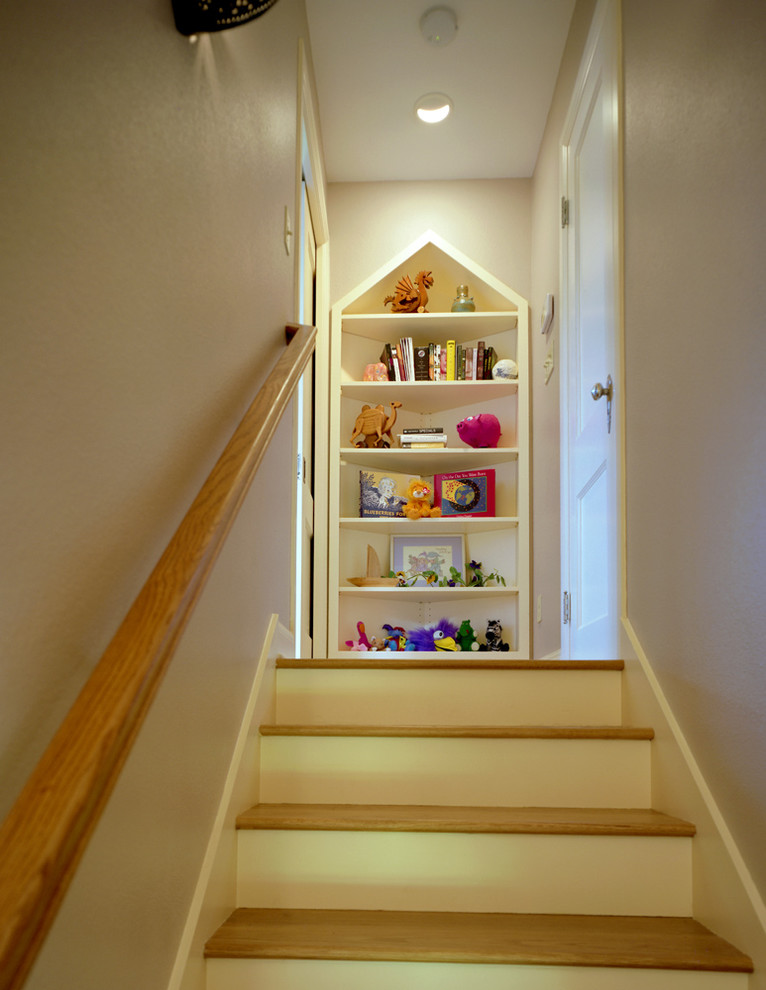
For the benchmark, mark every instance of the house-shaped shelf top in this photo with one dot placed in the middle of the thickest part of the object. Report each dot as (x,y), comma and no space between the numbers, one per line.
(448,267)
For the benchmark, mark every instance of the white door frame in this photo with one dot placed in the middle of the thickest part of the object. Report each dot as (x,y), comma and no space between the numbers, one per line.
(606,27)
(309,169)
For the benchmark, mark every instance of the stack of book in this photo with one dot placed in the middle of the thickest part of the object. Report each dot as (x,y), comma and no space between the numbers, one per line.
(419,439)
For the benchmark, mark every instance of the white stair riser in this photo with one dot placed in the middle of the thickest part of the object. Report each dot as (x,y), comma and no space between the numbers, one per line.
(448,697)
(309,974)
(417,871)
(459,771)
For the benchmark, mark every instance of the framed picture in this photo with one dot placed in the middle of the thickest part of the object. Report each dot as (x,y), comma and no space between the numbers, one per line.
(466,493)
(412,555)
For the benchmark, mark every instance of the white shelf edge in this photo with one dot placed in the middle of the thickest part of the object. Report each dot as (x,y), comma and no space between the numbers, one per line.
(394,524)
(426,594)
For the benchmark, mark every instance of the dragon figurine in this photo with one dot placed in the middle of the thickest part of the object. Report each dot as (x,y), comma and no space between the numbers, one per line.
(409,299)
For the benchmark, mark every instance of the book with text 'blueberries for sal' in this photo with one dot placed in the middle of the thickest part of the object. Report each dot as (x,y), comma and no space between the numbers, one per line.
(383,493)
(466,493)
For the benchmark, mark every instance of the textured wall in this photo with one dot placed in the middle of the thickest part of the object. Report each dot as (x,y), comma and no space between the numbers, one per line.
(144,289)
(695,156)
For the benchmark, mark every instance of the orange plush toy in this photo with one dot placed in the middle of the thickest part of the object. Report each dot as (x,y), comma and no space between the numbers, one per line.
(419,501)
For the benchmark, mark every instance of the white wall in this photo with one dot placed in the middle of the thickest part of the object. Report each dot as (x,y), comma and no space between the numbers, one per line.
(144,289)
(695,240)
(486,219)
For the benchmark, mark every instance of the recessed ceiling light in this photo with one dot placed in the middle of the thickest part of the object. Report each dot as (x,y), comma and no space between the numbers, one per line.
(438,26)
(433,107)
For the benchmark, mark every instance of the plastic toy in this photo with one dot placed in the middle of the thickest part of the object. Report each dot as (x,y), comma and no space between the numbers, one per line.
(395,638)
(466,637)
(480,431)
(418,504)
(433,638)
(494,637)
(375,373)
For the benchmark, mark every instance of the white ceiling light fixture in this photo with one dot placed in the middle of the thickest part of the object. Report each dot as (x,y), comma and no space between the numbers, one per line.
(438,26)
(433,107)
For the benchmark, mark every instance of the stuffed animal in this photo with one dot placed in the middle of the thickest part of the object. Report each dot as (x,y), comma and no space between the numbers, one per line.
(480,431)
(395,638)
(361,644)
(466,637)
(433,638)
(494,638)
(418,503)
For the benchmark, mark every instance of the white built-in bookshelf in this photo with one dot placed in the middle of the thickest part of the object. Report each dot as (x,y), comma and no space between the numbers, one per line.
(360,326)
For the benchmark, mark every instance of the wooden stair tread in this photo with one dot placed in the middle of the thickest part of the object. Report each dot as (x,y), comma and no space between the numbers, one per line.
(465,731)
(394,661)
(437,818)
(576,940)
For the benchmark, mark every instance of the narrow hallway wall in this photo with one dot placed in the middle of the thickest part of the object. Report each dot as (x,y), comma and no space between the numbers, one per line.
(695,156)
(144,292)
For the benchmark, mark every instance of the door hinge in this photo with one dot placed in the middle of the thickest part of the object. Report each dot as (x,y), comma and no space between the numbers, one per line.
(566,606)
(564,211)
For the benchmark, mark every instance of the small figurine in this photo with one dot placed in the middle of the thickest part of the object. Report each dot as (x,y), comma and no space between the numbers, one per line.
(505,370)
(418,504)
(407,298)
(466,637)
(494,638)
(480,431)
(373,426)
(377,372)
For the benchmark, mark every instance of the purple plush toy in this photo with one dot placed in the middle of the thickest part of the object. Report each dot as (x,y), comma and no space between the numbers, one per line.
(480,431)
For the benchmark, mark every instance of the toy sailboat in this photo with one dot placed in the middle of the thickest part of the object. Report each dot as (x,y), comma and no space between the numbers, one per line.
(372,578)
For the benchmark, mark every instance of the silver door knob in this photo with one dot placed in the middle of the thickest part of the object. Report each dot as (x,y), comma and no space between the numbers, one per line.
(599,391)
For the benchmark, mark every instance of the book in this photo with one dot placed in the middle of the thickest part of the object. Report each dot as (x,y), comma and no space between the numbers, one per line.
(480,360)
(451,376)
(425,444)
(382,493)
(466,493)
(424,429)
(421,362)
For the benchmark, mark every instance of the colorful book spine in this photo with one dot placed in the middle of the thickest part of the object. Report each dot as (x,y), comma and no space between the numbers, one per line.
(451,361)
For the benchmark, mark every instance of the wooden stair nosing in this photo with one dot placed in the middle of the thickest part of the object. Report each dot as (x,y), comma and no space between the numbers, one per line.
(442,818)
(392,662)
(457,937)
(617,732)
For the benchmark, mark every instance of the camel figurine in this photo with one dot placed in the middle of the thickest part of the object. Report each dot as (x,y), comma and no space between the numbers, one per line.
(374,426)
(407,298)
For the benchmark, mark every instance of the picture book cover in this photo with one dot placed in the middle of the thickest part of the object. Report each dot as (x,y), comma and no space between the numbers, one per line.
(382,493)
(466,493)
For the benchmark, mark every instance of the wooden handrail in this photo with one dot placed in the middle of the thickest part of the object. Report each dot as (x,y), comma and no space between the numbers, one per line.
(48,828)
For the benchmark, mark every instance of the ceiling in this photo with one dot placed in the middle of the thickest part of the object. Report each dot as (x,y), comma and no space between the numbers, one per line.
(372,63)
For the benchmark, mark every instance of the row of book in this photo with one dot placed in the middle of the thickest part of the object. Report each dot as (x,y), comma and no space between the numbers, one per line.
(448,362)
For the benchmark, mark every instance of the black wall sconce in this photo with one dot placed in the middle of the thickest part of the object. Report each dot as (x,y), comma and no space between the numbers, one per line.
(203,16)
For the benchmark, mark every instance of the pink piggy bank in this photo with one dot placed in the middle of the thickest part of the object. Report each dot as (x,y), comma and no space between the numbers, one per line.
(479,431)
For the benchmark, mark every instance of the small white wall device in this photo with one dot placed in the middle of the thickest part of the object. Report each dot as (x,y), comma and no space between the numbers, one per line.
(547,315)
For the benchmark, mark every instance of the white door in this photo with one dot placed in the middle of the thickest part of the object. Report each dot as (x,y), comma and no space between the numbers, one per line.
(591,355)
(303,607)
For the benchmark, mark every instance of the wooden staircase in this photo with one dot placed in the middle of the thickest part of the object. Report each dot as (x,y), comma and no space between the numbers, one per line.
(421,820)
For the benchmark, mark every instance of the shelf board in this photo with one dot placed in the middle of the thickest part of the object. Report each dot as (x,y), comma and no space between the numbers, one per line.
(457,524)
(461,327)
(422,397)
(428,460)
(426,593)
